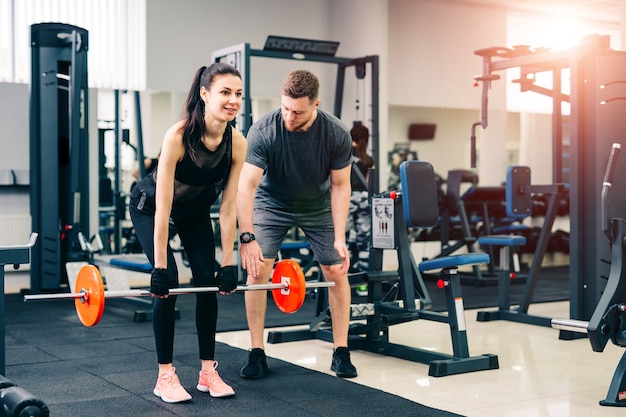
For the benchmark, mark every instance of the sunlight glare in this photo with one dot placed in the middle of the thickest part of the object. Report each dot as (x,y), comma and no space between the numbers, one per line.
(555,34)
(559,34)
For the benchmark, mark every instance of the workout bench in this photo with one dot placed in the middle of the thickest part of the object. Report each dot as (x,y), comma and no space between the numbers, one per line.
(415,206)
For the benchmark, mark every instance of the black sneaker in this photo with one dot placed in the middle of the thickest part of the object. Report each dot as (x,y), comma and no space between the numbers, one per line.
(256,366)
(341,364)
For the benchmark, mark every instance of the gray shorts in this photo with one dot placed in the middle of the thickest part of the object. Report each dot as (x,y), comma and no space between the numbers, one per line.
(271,226)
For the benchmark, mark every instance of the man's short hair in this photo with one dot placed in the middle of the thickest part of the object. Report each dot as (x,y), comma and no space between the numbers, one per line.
(301,83)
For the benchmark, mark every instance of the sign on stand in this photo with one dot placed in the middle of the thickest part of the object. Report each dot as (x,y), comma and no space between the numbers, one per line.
(382,223)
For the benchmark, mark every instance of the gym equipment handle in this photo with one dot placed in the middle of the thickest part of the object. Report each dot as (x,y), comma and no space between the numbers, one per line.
(610,168)
(605,219)
(578,326)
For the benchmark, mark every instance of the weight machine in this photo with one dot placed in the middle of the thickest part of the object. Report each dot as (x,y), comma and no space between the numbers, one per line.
(608,321)
(59,150)
(59,155)
(596,119)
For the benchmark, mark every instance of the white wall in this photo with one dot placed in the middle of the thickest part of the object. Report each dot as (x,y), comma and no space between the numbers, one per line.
(178,47)
(431,51)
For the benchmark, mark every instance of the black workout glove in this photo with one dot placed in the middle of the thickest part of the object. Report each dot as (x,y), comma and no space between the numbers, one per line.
(226,279)
(158,282)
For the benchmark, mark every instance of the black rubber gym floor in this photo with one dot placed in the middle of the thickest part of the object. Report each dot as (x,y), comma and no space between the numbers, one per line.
(110,369)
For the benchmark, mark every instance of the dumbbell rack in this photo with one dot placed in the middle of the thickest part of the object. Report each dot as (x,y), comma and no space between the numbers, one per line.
(11,255)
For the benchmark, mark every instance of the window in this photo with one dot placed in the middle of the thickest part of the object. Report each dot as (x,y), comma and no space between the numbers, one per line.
(117,38)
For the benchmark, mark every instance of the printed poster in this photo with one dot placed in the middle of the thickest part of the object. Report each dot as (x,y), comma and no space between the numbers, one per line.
(382,223)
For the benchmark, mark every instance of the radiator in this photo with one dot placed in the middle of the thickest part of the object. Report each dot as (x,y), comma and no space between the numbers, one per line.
(15,229)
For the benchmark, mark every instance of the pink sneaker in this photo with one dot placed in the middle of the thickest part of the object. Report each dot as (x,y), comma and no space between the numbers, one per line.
(169,389)
(211,382)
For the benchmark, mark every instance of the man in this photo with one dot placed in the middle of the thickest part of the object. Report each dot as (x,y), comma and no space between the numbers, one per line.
(296,174)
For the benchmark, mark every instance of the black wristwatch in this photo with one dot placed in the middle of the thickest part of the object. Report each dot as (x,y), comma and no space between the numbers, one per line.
(246,237)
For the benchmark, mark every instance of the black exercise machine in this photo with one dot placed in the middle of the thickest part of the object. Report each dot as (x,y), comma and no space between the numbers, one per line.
(59,150)
(415,206)
(608,321)
(595,117)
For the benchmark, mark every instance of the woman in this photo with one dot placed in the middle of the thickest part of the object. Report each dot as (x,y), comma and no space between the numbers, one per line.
(359,222)
(201,158)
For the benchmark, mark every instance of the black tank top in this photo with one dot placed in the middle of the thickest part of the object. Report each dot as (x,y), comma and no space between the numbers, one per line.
(209,172)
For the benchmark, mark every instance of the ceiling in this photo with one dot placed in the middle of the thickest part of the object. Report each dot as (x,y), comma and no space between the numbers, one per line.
(608,11)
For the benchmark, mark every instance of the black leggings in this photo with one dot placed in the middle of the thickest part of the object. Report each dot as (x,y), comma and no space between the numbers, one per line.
(195,230)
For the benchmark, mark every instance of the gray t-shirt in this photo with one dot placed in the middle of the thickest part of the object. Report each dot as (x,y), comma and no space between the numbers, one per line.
(297,165)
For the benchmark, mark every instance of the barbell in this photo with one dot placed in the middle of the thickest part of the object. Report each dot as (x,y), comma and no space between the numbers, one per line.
(288,291)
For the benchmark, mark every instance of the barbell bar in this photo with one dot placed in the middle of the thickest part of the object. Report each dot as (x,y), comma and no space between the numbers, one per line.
(571,325)
(607,325)
(581,326)
(288,291)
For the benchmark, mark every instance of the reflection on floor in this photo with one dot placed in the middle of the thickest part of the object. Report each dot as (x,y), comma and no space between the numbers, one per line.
(539,375)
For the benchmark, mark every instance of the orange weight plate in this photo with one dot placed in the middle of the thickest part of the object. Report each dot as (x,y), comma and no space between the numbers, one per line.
(291,299)
(90,309)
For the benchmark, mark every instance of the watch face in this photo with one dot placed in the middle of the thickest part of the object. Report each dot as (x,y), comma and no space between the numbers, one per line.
(246,237)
